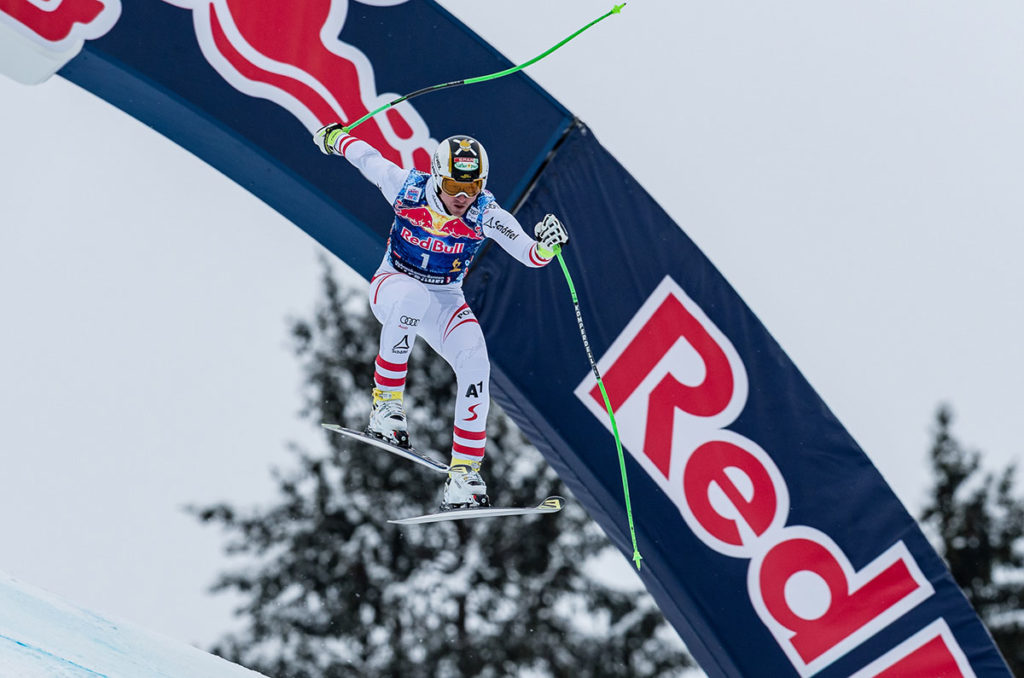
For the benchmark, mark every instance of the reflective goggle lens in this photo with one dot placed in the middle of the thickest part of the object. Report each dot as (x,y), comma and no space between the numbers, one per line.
(453,188)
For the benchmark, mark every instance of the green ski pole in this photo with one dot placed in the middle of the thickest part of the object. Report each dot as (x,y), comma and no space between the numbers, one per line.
(607,403)
(470,81)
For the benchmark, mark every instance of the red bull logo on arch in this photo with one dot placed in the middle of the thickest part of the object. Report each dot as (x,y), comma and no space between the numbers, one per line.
(267,49)
(262,48)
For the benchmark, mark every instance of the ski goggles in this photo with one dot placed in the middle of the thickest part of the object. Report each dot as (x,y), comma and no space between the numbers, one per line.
(453,188)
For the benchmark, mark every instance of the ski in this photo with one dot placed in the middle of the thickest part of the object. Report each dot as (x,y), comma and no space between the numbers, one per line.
(549,505)
(405,452)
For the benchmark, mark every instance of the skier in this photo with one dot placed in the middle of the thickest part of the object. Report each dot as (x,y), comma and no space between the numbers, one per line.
(441,220)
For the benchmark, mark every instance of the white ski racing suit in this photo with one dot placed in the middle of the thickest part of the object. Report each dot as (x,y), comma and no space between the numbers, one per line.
(417,291)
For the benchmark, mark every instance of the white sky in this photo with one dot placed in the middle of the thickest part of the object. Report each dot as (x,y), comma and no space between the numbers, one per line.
(855,170)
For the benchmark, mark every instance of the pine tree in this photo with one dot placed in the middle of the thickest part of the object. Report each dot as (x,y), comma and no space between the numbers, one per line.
(333,590)
(979,528)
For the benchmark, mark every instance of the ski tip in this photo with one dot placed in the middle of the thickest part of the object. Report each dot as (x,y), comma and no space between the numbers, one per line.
(338,428)
(552,504)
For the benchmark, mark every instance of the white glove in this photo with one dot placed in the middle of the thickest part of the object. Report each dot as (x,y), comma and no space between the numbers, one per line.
(551,235)
(326,136)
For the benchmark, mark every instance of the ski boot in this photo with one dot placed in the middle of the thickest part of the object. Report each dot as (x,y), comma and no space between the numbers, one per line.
(387,418)
(464,487)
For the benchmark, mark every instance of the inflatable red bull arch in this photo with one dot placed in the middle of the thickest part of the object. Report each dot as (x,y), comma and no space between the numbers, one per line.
(770,541)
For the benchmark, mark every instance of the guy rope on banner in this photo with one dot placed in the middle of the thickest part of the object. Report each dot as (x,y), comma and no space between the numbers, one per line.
(575,300)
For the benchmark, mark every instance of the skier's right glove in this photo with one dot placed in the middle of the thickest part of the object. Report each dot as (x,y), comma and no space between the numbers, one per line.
(327,136)
(551,235)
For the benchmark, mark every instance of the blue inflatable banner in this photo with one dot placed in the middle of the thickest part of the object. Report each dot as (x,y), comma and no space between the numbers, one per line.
(769,540)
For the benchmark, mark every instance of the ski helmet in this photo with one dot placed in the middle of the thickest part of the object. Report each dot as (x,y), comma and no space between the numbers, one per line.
(459,166)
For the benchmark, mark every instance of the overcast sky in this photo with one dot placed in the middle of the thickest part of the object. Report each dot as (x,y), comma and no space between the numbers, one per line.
(855,170)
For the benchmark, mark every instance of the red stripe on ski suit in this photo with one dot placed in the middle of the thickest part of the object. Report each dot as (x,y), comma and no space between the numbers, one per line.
(470,435)
(391,367)
(477,452)
(388,381)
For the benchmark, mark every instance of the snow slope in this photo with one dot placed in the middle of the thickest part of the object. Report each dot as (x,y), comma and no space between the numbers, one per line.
(42,636)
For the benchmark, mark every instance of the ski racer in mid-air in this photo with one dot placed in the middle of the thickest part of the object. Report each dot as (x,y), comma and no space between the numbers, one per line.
(441,220)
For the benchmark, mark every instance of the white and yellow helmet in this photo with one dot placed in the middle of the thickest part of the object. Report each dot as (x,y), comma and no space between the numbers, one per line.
(459,166)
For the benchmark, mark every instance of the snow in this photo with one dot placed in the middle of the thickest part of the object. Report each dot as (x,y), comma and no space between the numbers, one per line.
(42,636)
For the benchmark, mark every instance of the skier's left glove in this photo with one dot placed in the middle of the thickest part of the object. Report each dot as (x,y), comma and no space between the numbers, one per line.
(551,235)
(326,136)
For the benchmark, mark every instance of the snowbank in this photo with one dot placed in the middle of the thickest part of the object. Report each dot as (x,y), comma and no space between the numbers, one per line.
(42,636)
